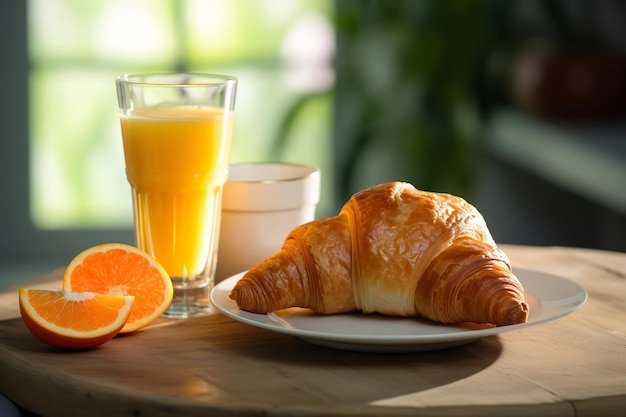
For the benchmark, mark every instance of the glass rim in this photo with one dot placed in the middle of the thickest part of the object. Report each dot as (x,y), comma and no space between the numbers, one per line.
(176,79)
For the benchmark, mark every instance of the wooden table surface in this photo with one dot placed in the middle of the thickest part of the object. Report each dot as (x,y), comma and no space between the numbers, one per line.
(213,365)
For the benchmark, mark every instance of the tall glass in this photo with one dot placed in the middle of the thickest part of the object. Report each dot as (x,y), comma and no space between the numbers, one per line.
(176,130)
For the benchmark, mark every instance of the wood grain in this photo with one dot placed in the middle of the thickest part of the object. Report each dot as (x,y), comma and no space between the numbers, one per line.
(212,365)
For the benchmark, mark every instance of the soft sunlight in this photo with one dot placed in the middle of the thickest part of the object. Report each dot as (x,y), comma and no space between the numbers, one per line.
(134,31)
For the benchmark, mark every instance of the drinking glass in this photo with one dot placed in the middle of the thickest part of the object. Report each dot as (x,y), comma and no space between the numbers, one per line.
(176,132)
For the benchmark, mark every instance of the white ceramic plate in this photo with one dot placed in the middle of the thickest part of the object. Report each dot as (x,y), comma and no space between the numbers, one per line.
(549,298)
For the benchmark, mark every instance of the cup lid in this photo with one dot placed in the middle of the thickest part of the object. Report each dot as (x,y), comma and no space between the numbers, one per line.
(270,186)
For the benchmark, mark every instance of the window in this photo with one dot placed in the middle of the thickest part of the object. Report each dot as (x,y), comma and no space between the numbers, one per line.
(61,155)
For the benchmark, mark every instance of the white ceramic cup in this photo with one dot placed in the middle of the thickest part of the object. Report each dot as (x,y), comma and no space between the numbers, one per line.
(261,204)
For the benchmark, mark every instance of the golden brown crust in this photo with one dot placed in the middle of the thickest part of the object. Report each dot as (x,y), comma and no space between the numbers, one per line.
(311,270)
(394,250)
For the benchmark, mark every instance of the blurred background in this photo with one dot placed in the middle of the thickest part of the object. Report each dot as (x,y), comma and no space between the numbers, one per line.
(516,106)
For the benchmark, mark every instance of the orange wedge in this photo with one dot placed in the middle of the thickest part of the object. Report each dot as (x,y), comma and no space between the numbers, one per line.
(116,268)
(73,320)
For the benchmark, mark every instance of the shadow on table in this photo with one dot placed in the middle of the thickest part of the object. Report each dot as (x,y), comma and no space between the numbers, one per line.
(268,362)
(214,361)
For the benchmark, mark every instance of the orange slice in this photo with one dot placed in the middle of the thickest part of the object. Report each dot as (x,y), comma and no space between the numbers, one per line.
(73,320)
(116,268)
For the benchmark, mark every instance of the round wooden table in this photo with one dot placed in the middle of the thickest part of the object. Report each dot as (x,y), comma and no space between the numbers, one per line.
(213,365)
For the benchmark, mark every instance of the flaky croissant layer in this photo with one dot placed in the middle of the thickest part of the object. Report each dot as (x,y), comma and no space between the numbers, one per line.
(393,250)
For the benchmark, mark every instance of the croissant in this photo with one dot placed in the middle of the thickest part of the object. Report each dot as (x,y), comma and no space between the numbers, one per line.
(393,250)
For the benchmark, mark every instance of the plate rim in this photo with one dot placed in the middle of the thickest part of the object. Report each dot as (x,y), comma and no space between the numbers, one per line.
(265,321)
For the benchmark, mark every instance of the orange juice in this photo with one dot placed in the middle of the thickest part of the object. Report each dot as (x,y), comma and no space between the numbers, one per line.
(177,163)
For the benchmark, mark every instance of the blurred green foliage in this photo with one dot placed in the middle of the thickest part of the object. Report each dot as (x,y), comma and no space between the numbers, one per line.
(411,93)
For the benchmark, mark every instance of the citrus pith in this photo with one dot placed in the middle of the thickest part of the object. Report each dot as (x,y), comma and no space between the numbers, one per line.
(73,320)
(117,268)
